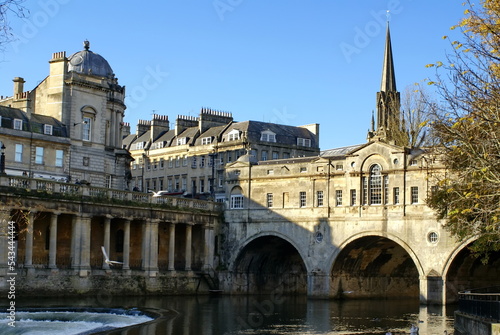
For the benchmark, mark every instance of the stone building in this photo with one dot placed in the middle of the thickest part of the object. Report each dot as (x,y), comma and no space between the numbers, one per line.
(70,125)
(190,158)
(351,222)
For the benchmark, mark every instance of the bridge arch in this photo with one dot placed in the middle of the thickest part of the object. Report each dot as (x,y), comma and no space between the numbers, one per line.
(375,265)
(463,271)
(269,262)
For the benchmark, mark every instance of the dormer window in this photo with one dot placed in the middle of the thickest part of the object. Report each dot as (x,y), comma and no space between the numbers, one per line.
(233,135)
(206,140)
(47,129)
(268,136)
(181,141)
(139,145)
(303,142)
(18,124)
(159,145)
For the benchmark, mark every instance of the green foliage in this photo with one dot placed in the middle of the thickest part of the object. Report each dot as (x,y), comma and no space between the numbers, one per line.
(466,128)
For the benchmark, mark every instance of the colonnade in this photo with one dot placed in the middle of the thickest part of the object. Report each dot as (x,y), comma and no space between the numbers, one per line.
(83,238)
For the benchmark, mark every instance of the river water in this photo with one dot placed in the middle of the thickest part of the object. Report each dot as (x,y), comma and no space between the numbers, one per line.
(273,314)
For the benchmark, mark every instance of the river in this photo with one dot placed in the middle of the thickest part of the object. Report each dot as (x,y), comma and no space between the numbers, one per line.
(273,314)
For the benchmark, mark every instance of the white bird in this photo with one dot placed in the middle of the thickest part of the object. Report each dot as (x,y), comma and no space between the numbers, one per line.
(106,258)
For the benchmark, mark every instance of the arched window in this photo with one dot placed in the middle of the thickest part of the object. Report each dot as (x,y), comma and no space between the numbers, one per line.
(375,185)
(236,201)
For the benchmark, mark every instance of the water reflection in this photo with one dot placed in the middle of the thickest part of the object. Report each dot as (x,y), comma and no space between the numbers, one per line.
(252,315)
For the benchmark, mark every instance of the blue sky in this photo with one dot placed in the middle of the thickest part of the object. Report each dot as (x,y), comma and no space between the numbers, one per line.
(293,62)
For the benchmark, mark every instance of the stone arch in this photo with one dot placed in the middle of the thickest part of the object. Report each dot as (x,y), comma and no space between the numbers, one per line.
(370,160)
(462,271)
(267,262)
(375,265)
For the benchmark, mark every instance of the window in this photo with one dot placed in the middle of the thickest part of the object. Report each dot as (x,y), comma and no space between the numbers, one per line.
(59,158)
(184,161)
(395,193)
(181,141)
(413,162)
(269,200)
(338,198)
(433,237)
(139,145)
(302,199)
(386,189)
(155,164)
(39,155)
(170,163)
(236,201)
(339,167)
(162,163)
(353,197)
(86,128)
(414,195)
(18,124)
(233,135)
(47,129)
(263,155)
(184,183)
(177,161)
(319,198)
(303,142)
(286,155)
(19,153)
(170,184)
(193,162)
(119,240)
(364,182)
(202,161)
(206,140)
(375,185)
(275,155)
(303,169)
(268,136)
(202,185)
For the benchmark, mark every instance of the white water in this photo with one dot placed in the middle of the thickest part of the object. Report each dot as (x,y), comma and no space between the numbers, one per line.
(67,322)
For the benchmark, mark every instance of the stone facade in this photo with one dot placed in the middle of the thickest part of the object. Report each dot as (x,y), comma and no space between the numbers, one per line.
(82,96)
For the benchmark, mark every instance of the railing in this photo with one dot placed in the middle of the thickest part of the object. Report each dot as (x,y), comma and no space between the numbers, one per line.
(484,303)
(56,187)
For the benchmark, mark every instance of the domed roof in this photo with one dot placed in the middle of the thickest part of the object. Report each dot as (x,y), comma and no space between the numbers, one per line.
(88,62)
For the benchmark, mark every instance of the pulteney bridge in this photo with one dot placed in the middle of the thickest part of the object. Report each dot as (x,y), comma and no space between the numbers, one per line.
(350,224)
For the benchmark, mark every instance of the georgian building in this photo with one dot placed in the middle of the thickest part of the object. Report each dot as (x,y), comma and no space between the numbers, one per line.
(191,157)
(69,127)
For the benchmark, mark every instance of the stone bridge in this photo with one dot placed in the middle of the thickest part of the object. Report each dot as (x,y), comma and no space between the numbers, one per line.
(349,226)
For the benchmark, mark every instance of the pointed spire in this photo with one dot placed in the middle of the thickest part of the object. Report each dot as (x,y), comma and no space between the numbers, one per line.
(388,75)
(373,122)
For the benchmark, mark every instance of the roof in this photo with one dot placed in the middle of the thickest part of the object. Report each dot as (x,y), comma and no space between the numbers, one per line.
(339,152)
(88,62)
(34,124)
(388,75)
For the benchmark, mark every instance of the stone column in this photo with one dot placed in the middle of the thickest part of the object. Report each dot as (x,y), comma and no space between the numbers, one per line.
(28,256)
(171,247)
(105,243)
(153,248)
(146,241)
(208,250)
(85,246)
(189,233)
(126,245)
(75,242)
(4,243)
(53,241)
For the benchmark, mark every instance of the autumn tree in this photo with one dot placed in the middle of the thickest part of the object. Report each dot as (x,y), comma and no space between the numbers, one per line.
(467,128)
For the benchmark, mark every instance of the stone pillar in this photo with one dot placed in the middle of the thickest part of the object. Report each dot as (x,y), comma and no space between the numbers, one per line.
(318,284)
(126,245)
(53,241)
(431,290)
(105,243)
(112,127)
(150,247)
(85,245)
(171,247)
(189,232)
(146,227)
(208,250)
(4,243)
(75,242)
(28,256)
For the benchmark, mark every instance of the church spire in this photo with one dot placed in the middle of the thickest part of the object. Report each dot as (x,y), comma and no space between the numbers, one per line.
(388,75)
(388,100)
